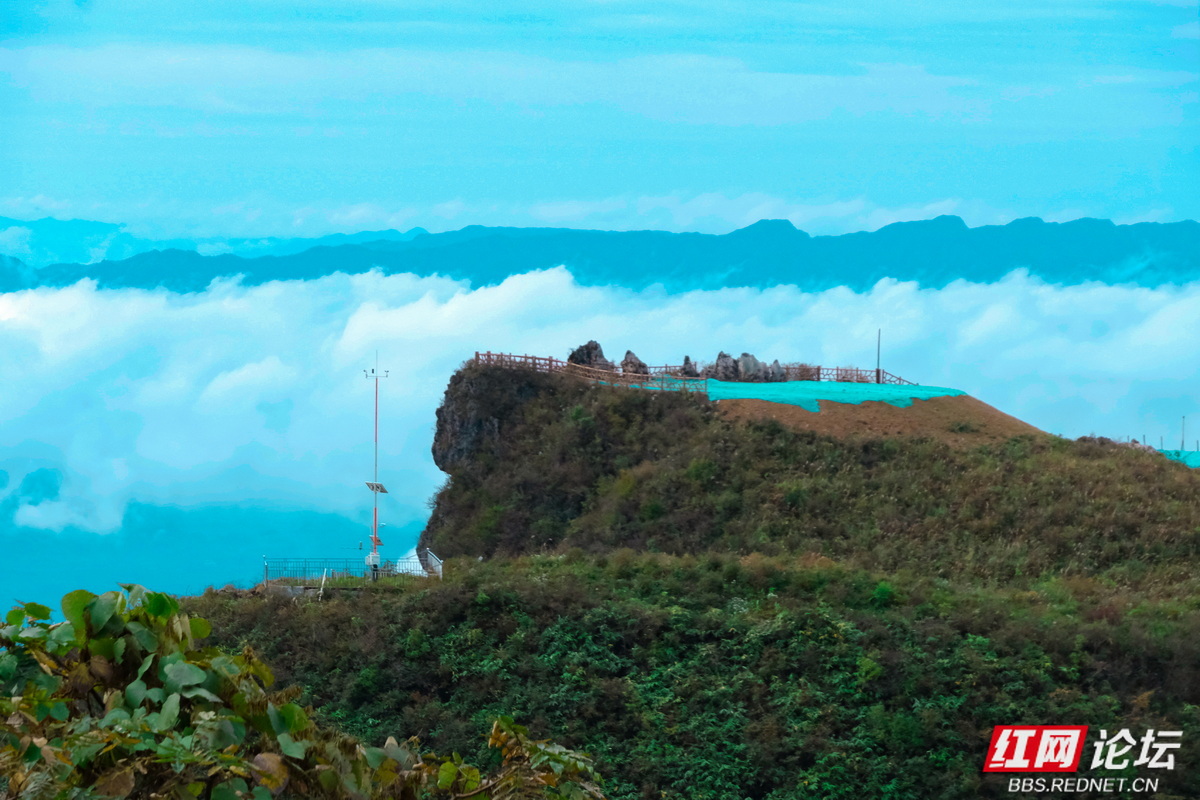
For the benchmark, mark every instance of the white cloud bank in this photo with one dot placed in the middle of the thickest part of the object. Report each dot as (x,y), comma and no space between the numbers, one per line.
(256,395)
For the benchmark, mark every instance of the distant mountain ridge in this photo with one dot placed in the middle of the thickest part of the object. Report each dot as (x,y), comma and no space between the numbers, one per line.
(770,252)
(42,242)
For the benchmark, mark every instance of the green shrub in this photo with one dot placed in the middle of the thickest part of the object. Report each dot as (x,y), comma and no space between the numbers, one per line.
(119,701)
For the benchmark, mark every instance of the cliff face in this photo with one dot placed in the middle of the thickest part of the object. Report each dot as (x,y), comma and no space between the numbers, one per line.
(524,450)
(477,404)
(481,423)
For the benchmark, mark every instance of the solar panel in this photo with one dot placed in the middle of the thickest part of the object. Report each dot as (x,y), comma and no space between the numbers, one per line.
(376,487)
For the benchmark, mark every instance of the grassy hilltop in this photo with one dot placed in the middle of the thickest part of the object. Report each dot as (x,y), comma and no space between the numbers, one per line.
(718,608)
(539,462)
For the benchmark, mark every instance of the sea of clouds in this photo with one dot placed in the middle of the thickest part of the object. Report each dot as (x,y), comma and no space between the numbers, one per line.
(170,439)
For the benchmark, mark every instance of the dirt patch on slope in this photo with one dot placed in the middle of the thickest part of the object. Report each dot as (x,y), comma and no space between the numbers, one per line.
(960,421)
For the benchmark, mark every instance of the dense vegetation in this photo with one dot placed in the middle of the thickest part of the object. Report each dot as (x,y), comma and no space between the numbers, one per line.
(539,462)
(118,701)
(717,676)
(718,609)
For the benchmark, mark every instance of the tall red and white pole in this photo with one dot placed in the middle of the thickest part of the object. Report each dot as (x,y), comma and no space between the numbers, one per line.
(375,486)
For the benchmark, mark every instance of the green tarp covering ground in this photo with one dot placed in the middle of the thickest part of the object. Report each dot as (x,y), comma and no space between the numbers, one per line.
(808,394)
(1189,457)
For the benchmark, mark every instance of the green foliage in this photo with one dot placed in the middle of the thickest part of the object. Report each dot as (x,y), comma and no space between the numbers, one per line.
(884,595)
(714,609)
(119,701)
(719,676)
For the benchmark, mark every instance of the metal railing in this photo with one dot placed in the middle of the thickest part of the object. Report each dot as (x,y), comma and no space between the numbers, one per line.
(809,372)
(315,570)
(672,377)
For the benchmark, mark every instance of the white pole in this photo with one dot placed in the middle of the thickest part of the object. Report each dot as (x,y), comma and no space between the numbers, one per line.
(375,514)
(375,487)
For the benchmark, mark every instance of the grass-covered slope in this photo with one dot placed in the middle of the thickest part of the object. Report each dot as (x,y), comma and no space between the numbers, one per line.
(543,463)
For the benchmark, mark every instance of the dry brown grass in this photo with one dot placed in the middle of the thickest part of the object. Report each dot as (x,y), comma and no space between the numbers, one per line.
(961,421)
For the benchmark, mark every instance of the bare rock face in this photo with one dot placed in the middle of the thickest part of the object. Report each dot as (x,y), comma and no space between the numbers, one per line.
(750,369)
(632,365)
(591,355)
(476,403)
(746,369)
(689,369)
(725,368)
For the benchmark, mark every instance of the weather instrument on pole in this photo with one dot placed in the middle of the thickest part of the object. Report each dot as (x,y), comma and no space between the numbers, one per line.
(374,485)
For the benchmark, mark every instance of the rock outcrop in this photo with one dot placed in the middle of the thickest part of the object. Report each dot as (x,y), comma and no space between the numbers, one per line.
(750,369)
(473,409)
(725,368)
(746,369)
(590,355)
(632,365)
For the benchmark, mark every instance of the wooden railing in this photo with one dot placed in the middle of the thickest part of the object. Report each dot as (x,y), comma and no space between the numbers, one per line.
(536,363)
(655,380)
(672,377)
(659,378)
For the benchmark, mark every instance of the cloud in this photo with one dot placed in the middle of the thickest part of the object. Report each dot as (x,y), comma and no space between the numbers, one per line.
(364,215)
(35,205)
(718,212)
(1190,30)
(255,395)
(247,386)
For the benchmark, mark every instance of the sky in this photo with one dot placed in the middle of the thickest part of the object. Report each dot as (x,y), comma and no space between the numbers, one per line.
(259,117)
(175,439)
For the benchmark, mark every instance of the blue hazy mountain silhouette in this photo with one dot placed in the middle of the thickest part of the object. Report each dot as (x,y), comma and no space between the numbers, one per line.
(42,242)
(933,252)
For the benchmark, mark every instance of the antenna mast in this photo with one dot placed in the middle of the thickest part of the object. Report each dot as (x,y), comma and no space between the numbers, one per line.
(374,485)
